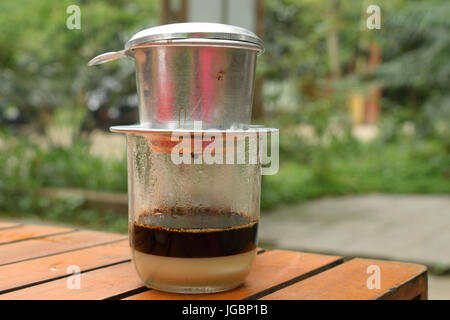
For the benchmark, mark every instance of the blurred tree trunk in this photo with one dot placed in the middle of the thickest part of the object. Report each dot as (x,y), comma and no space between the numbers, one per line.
(258,104)
(374,91)
(173,14)
(333,41)
(368,57)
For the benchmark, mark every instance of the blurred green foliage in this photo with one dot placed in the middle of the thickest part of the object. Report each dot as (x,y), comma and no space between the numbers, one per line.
(345,166)
(27,167)
(411,152)
(43,63)
(416,71)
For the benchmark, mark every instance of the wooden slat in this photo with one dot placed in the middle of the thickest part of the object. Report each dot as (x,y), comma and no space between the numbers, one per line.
(34,248)
(28,232)
(414,289)
(270,270)
(349,281)
(30,272)
(97,284)
(5,225)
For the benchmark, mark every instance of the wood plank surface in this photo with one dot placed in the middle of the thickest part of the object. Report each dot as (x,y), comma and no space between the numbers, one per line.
(31,272)
(349,281)
(34,248)
(98,284)
(26,232)
(270,271)
(34,263)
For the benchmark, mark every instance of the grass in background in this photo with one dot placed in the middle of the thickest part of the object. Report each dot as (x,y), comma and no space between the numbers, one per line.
(366,168)
(26,167)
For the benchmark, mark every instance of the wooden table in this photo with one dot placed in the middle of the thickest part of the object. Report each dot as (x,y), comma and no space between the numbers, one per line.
(37,262)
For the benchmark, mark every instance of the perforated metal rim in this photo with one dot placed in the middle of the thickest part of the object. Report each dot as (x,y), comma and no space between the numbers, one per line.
(145,129)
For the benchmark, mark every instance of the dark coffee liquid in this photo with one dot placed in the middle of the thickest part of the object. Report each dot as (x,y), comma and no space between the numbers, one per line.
(175,232)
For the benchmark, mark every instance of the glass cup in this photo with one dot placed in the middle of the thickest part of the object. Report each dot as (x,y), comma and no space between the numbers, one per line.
(192,225)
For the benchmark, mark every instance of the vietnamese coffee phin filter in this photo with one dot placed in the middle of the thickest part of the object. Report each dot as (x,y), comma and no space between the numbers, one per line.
(193,213)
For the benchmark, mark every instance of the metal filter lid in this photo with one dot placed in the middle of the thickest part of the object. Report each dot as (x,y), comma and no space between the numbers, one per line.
(194,31)
(189,33)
